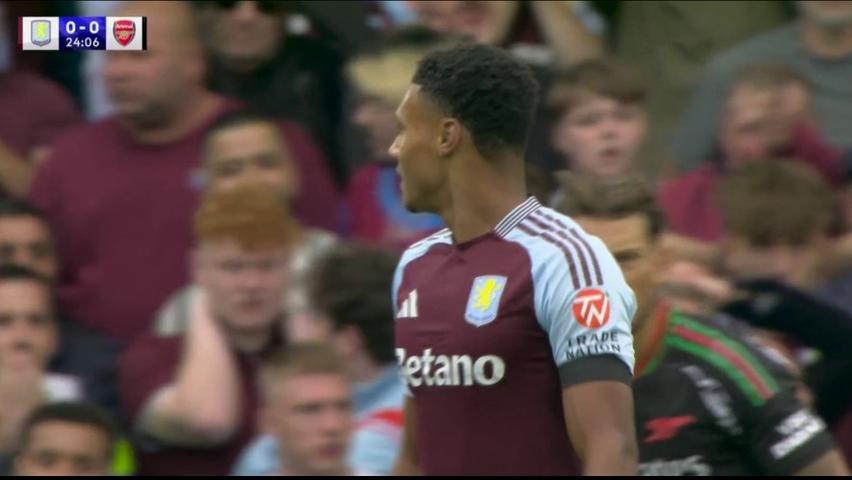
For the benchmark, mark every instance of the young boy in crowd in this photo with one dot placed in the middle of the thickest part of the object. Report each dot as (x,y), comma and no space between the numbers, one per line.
(600,119)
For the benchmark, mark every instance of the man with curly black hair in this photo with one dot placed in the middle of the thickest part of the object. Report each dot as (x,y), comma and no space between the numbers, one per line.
(513,324)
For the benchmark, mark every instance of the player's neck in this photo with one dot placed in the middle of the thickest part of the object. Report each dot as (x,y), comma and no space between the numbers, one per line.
(481,194)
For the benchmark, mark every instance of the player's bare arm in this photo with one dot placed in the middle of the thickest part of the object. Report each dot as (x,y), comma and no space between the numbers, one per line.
(599,419)
(406,463)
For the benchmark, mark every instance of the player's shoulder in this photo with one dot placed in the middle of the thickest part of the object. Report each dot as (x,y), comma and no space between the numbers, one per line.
(555,242)
(421,247)
(723,350)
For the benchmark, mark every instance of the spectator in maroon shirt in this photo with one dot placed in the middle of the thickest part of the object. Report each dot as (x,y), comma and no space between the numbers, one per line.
(766,117)
(119,193)
(193,398)
(34,110)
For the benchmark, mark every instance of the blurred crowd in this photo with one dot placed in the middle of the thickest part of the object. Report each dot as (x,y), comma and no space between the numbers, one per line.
(198,242)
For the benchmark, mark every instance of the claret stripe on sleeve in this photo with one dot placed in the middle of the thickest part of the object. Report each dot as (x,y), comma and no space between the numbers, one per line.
(516,216)
(552,230)
(527,228)
(561,227)
(730,356)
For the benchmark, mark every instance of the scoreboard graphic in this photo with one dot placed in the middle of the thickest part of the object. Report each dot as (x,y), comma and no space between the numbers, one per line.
(82,33)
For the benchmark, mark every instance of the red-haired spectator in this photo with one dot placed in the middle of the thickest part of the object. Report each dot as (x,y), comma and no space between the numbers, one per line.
(193,397)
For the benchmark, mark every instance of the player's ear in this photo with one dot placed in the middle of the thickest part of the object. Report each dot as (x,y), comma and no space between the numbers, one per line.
(450,136)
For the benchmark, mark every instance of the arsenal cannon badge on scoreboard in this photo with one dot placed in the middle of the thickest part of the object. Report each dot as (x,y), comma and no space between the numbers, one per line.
(124,31)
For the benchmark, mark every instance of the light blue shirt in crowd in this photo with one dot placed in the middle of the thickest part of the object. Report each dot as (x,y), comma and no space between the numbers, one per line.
(374,445)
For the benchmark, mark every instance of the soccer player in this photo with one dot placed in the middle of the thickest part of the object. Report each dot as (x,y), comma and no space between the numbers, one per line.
(709,401)
(512,325)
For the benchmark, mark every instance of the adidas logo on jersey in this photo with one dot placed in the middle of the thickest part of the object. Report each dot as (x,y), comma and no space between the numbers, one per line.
(409,306)
(450,370)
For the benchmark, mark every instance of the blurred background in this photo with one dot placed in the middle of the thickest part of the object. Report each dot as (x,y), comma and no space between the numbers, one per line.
(114,169)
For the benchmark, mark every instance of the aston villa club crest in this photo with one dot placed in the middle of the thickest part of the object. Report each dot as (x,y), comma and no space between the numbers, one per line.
(40,32)
(484,300)
(124,31)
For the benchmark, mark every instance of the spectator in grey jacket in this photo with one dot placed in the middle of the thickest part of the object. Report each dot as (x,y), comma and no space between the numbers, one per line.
(818,45)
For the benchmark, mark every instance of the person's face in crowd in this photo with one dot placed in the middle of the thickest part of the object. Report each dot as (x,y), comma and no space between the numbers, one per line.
(791,263)
(28,333)
(246,34)
(420,163)
(245,288)
(827,13)
(61,448)
(149,88)
(486,22)
(601,136)
(250,154)
(27,242)
(759,123)
(377,120)
(311,415)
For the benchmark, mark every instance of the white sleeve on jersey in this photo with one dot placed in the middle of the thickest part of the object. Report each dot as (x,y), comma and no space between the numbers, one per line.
(591,320)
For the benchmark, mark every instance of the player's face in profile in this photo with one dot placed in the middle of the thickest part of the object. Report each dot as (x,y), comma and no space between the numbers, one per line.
(250,154)
(27,328)
(418,162)
(377,119)
(245,288)
(311,415)
(26,241)
(58,448)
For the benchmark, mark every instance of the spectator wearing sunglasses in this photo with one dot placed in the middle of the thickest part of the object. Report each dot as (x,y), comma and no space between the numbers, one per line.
(264,54)
(26,241)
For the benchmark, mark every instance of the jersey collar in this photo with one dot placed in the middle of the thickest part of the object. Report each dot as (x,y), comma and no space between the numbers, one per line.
(516,216)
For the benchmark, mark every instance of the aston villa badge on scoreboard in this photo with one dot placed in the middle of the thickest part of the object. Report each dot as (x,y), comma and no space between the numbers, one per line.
(40,32)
